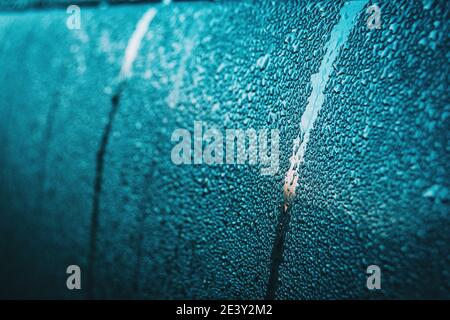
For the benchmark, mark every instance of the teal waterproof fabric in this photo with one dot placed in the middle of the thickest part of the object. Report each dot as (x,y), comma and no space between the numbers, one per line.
(86,175)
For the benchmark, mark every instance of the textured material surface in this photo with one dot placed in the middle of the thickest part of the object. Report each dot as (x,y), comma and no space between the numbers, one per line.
(43,4)
(374,187)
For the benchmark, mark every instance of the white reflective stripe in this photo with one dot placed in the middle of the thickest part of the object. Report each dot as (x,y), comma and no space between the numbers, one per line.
(319,80)
(135,42)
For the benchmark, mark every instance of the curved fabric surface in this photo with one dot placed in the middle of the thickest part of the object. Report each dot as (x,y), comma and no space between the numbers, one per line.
(373,188)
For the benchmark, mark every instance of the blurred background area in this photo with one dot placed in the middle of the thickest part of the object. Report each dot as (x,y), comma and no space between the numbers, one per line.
(41,4)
